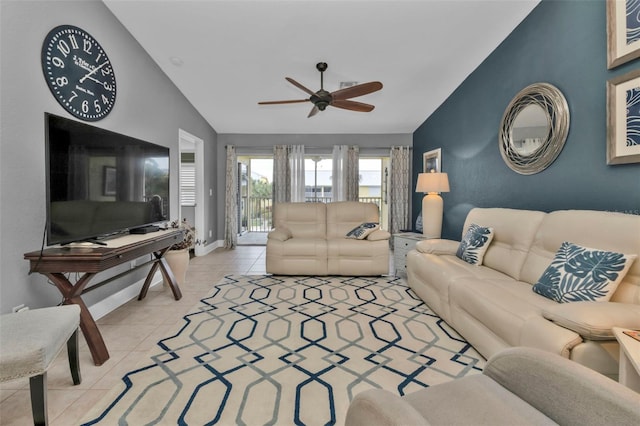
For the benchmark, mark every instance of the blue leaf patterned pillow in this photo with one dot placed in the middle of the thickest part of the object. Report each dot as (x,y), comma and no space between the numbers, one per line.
(361,231)
(579,274)
(475,244)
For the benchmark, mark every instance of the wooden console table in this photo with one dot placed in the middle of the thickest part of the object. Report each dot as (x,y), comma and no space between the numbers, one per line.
(56,261)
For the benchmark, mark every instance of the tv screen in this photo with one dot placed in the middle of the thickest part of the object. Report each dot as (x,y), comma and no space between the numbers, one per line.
(101,183)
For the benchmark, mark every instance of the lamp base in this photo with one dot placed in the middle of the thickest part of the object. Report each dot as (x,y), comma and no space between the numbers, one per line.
(432,207)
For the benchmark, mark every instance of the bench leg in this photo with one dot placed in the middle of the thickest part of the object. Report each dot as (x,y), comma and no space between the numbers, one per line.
(74,357)
(38,388)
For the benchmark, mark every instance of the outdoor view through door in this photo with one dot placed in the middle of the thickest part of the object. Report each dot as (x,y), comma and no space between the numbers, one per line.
(255,189)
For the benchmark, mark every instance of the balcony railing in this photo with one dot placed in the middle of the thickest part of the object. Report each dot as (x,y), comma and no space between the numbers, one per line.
(257,211)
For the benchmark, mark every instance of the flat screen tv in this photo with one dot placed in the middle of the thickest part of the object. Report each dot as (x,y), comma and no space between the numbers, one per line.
(101,183)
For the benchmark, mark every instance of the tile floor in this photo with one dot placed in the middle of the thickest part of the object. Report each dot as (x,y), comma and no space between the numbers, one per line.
(129,332)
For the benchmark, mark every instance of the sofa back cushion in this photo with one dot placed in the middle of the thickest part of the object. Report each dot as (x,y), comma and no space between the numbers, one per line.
(343,216)
(513,234)
(616,232)
(303,220)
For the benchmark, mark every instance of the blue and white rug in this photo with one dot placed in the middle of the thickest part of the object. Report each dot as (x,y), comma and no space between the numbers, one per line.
(289,350)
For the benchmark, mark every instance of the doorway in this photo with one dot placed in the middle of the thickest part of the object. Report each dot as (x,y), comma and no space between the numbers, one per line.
(191,184)
(255,198)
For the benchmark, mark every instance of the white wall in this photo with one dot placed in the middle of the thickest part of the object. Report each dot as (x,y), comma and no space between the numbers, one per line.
(148,107)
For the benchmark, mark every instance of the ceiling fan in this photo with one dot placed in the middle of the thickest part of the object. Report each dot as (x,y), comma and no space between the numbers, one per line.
(339,99)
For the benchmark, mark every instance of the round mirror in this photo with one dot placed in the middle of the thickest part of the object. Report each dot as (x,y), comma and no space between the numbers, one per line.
(534,128)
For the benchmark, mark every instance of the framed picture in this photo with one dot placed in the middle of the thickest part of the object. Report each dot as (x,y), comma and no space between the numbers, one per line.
(623,31)
(432,161)
(109,179)
(623,119)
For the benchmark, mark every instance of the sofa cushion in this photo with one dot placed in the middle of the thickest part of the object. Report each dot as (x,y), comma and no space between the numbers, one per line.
(582,274)
(474,244)
(605,230)
(343,216)
(363,230)
(594,320)
(514,232)
(303,220)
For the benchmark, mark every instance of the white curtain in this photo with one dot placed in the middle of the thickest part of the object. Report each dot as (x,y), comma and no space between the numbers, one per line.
(400,190)
(231,200)
(296,165)
(339,173)
(281,174)
(345,178)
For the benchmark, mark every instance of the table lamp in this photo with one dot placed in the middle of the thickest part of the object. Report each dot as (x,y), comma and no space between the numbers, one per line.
(432,184)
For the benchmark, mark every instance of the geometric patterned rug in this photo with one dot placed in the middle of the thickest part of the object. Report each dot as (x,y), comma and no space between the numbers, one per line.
(276,350)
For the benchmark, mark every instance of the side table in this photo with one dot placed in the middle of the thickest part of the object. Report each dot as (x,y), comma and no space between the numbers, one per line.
(629,370)
(402,244)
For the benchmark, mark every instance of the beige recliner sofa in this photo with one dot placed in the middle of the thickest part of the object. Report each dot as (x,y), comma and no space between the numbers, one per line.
(309,239)
(519,386)
(493,306)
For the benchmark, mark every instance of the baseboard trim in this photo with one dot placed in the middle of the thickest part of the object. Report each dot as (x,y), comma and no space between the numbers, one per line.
(113,302)
(204,250)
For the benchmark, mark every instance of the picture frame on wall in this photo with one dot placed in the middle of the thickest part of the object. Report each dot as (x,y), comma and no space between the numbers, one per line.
(432,161)
(623,119)
(623,31)
(109,179)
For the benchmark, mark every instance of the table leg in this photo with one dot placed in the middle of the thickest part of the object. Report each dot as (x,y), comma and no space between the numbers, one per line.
(71,294)
(167,274)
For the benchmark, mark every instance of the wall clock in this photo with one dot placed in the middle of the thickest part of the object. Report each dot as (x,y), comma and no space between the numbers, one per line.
(79,73)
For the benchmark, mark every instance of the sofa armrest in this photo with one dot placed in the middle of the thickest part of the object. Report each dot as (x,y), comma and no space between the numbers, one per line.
(381,407)
(565,391)
(594,320)
(438,246)
(279,234)
(378,235)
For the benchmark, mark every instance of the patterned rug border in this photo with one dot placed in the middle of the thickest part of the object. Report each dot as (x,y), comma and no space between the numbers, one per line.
(252,376)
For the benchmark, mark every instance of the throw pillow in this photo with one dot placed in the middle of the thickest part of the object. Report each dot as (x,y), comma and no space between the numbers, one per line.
(583,274)
(361,231)
(475,244)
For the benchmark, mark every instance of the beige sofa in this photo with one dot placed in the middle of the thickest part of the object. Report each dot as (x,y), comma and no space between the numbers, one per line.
(518,386)
(493,306)
(309,239)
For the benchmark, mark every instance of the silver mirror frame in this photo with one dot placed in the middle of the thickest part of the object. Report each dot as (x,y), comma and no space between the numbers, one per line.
(552,101)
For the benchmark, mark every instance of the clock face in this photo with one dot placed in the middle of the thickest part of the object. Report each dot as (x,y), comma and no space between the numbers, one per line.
(78,73)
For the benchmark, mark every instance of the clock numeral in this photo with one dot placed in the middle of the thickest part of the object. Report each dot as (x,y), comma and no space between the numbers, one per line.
(105,100)
(87,46)
(108,87)
(74,42)
(63,47)
(62,81)
(99,56)
(106,71)
(85,106)
(97,107)
(75,95)
(57,62)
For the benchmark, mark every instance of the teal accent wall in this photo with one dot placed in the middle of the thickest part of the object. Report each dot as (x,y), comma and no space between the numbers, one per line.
(563,43)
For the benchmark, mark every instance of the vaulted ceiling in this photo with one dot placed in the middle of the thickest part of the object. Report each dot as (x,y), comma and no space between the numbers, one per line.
(225,56)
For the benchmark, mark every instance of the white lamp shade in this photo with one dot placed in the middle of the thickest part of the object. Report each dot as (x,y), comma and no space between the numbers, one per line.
(432,182)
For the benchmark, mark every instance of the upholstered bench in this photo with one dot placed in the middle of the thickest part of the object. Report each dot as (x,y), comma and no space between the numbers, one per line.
(30,341)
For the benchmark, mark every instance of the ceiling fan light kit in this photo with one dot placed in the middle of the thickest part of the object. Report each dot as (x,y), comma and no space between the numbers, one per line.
(338,99)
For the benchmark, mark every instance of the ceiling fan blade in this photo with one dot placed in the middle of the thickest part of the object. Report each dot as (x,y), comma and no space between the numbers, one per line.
(352,105)
(357,90)
(283,102)
(299,86)
(313,111)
